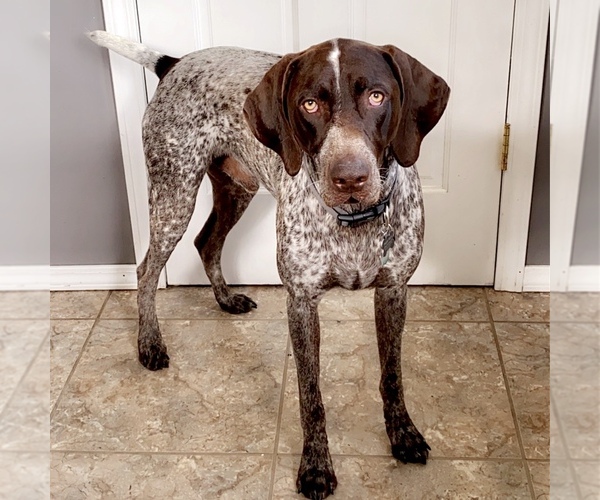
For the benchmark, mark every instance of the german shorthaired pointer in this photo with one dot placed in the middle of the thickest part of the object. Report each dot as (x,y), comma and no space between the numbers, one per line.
(346,120)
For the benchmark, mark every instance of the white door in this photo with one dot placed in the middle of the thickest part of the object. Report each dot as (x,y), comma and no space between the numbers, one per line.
(467,42)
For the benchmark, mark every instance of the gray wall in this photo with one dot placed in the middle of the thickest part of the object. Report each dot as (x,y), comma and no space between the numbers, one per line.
(24,133)
(89,212)
(538,244)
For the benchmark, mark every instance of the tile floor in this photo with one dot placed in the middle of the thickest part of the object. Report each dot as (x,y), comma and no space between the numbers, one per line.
(222,421)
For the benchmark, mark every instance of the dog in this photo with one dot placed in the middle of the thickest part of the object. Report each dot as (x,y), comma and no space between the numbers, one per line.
(333,133)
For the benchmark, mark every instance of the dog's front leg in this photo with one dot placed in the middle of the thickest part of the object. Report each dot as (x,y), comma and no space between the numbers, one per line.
(316,479)
(408,445)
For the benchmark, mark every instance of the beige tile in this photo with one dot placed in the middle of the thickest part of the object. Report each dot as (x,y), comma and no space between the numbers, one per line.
(540,477)
(24,423)
(349,385)
(425,303)
(19,342)
(76,305)
(25,305)
(66,341)
(184,302)
(122,305)
(24,476)
(340,304)
(578,408)
(221,392)
(587,475)
(526,353)
(575,352)
(575,385)
(382,478)
(75,476)
(574,306)
(557,446)
(562,484)
(526,306)
(453,383)
(446,303)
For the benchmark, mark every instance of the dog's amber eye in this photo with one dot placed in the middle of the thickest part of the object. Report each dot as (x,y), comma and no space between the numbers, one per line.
(310,106)
(375,98)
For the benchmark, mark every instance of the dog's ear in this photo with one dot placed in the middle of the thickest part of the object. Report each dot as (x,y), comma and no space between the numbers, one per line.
(424,99)
(265,112)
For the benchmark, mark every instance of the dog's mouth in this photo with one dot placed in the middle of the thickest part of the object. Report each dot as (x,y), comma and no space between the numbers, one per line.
(355,200)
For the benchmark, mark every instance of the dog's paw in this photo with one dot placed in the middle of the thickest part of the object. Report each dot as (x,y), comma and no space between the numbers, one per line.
(411,447)
(316,481)
(153,355)
(237,304)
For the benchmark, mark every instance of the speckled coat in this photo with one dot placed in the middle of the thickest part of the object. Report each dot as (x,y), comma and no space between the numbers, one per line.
(344,115)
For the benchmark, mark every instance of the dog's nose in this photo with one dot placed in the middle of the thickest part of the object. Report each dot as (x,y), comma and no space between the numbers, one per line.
(349,175)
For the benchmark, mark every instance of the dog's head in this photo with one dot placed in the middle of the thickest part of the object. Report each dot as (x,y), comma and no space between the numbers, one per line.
(345,104)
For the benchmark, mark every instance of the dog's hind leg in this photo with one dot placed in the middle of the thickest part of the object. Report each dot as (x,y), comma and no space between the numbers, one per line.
(233,189)
(170,214)
(408,445)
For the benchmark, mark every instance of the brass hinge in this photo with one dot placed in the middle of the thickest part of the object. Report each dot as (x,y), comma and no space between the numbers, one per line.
(505,143)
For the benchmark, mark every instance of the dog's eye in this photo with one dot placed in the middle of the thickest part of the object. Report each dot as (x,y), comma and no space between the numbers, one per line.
(310,106)
(376,98)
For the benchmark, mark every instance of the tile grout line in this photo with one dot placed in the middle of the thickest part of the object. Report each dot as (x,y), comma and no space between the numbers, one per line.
(81,351)
(266,453)
(279,418)
(26,372)
(510,398)
(323,320)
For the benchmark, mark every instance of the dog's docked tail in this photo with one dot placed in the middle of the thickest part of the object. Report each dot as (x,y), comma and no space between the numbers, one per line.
(154,61)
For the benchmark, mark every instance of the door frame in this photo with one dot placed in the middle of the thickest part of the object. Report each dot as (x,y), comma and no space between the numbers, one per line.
(528,55)
(530,28)
(575,30)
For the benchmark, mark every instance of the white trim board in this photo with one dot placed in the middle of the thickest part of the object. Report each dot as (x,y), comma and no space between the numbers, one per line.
(575,28)
(18,278)
(580,279)
(584,279)
(523,113)
(536,279)
(97,277)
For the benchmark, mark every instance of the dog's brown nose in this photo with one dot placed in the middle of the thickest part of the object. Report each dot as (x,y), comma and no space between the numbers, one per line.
(349,175)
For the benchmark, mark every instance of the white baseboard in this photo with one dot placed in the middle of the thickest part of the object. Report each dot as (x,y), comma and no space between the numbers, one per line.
(581,279)
(123,277)
(98,277)
(536,279)
(16,278)
(584,279)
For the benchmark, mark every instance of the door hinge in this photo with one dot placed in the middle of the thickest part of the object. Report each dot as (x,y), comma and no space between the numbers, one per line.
(505,144)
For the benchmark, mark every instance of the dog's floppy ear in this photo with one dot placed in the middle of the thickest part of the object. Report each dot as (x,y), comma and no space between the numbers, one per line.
(425,96)
(265,112)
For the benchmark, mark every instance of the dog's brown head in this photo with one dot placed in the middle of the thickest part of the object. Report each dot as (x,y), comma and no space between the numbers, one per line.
(344,103)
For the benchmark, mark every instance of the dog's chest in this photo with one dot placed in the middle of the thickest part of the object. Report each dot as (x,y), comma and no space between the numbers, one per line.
(314,250)
(356,262)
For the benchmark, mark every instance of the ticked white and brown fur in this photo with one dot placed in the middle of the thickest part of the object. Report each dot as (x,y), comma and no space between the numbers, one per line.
(348,117)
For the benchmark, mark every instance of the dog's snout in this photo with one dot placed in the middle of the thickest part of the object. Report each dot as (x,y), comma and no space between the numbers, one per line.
(349,175)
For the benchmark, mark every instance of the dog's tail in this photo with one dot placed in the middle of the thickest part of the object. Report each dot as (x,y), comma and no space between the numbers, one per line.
(154,61)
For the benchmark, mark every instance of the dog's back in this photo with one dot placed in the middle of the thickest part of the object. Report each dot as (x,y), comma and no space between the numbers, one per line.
(196,111)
